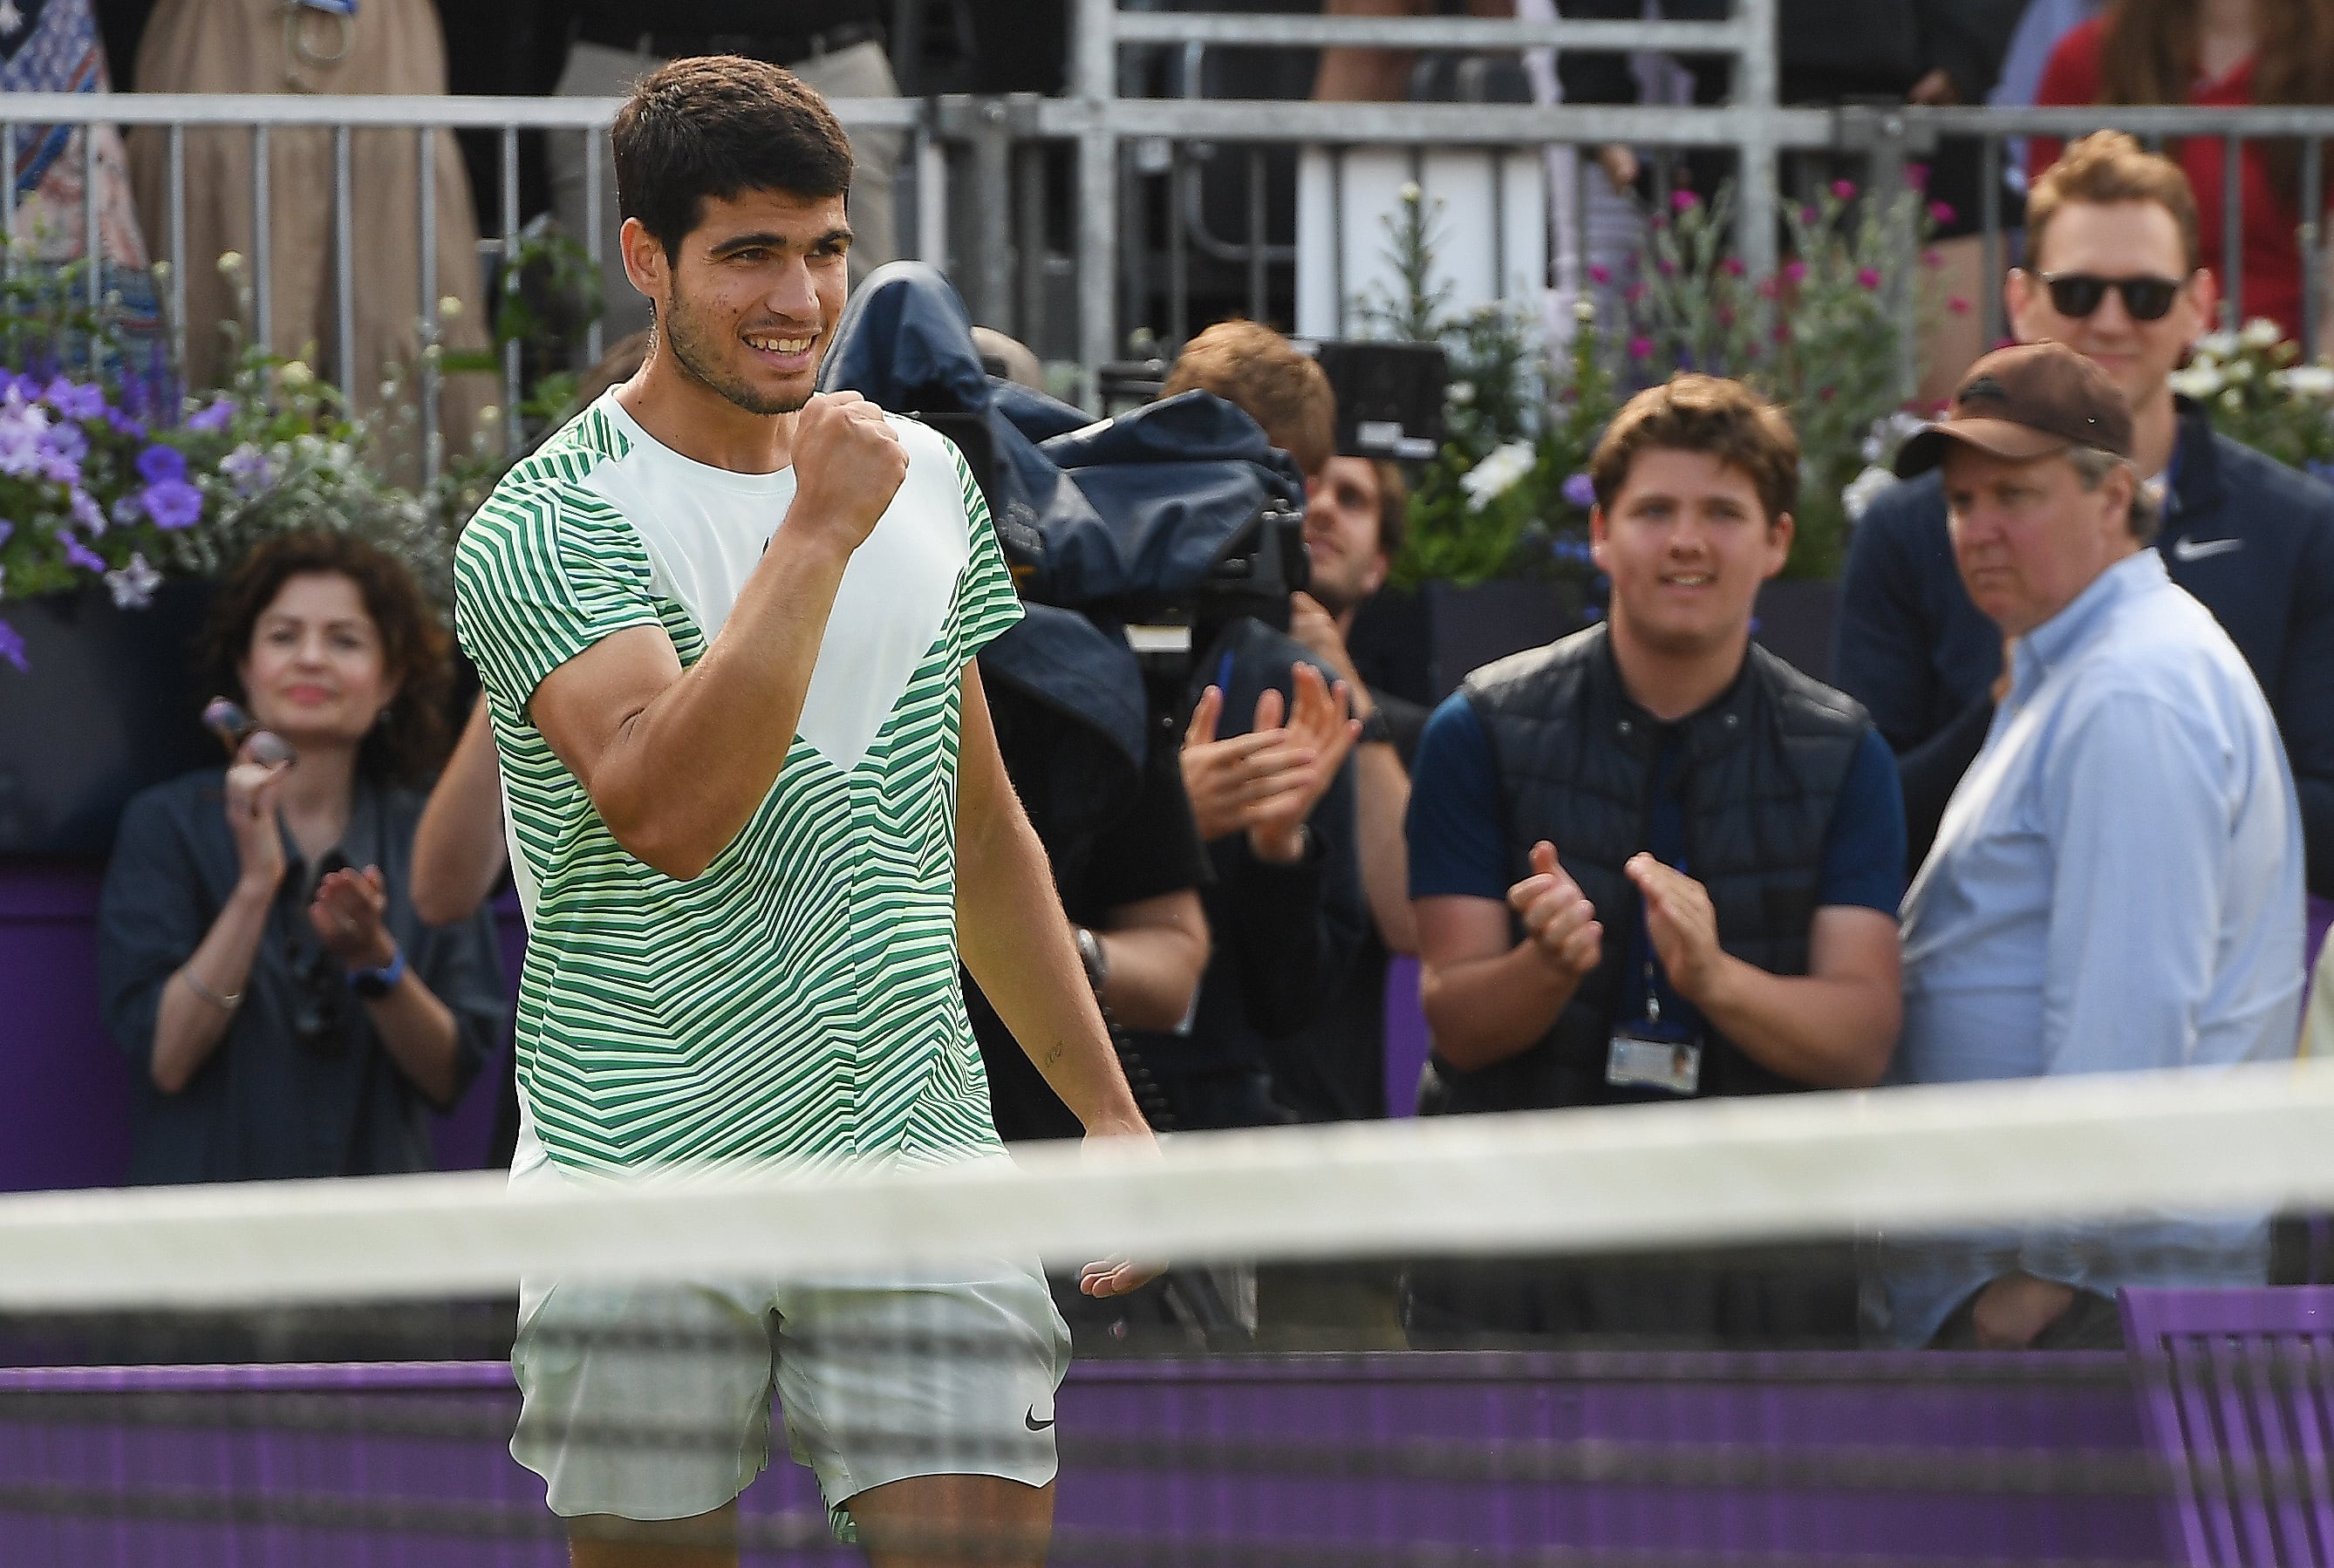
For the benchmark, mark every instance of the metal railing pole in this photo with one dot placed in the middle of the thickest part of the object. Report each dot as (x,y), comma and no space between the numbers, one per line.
(1093,79)
(1992,262)
(509,172)
(2232,233)
(932,195)
(595,335)
(262,260)
(1757,86)
(433,445)
(344,265)
(2313,238)
(992,214)
(92,242)
(8,198)
(177,158)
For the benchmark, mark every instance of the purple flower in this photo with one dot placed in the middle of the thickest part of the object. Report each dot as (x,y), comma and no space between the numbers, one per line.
(1641,347)
(1600,274)
(248,468)
(75,402)
(78,553)
(66,441)
(1868,277)
(6,528)
(124,426)
(1684,200)
(212,416)
(161,465)
(1581,491)
(57,468)
(21,424)
(127,509)
(1845,190)
(174,503)
(12,645)
(1941,212)
(87,512)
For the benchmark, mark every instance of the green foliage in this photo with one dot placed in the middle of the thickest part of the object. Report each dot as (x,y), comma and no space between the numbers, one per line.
(2256,390)
(1504,498)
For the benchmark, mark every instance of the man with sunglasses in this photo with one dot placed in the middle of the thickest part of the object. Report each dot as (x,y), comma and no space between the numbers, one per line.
(2112,245)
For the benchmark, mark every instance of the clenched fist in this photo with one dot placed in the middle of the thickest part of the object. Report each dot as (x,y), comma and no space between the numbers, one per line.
(848,464)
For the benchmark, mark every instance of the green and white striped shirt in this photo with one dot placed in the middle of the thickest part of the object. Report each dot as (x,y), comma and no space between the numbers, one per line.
(799,998)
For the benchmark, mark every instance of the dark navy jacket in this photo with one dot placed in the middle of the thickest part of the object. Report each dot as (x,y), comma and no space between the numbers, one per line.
(2253,539)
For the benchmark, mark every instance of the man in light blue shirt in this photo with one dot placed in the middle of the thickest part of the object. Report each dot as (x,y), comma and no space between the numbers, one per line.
(2116,885)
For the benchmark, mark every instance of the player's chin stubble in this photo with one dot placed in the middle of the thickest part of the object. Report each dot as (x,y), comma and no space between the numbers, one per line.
(696,353)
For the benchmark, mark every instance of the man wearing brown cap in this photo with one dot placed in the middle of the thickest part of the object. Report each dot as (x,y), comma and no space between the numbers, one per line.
(2117,883)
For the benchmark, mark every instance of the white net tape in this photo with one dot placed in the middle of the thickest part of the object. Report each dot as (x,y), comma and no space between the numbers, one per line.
(1715,1172)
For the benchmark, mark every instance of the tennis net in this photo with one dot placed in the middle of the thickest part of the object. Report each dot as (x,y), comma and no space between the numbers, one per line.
(1635,1336)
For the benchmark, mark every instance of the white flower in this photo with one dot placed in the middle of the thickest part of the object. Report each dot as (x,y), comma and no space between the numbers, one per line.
(2220,345)
(1583,310)
(2261,333)
(230,261)
(133,586)
(450,306)
(1409,191)
(488,417)
(1460,392)
(295,374)
(1495,475)
(2307,381)
(1865,489)
(2233,400)
(2239,371)
(2199,381)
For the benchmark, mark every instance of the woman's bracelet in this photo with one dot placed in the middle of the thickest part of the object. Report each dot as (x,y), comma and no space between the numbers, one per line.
(226,1004)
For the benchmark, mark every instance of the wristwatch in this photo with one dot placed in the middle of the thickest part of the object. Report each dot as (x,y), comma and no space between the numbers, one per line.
(1096,961)
(1376,729)
(372,985)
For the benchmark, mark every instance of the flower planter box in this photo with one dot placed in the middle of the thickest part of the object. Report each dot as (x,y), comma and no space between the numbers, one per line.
(108,705)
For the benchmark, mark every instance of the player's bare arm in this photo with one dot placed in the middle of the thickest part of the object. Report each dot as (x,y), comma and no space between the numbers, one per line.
(668,764)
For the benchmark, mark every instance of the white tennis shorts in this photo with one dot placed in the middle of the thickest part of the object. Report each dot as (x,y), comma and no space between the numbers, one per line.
(653,1401)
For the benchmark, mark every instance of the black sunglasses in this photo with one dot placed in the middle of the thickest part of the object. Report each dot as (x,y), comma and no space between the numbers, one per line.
(2078,295)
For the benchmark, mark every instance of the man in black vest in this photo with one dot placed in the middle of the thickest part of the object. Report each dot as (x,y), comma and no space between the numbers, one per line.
(1650,862)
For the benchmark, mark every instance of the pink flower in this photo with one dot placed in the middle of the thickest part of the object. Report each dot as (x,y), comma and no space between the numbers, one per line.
(1958,305)
(1684,200)
(1844,190)
(1941,212)
(1732,266)
(1770,288)
(1600,274)
(1665,267)
(1641,347)
(1868,277)
(1725,316)
(1636,294)
(1933,258)
(1794,271)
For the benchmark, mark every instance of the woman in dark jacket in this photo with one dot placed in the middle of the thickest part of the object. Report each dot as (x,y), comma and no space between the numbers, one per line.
(262,966)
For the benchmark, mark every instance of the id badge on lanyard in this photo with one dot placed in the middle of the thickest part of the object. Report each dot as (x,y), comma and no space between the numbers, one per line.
(1652,1053)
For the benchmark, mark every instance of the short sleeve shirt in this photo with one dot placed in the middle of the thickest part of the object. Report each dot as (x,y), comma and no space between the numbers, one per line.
(799,998)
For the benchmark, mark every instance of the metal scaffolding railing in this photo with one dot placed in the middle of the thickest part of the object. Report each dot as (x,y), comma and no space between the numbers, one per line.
(972,158)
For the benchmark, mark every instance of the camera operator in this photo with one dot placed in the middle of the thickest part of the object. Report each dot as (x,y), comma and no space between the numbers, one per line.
(1264,760)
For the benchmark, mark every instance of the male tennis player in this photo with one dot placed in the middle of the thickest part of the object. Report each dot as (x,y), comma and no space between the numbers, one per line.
(727,629)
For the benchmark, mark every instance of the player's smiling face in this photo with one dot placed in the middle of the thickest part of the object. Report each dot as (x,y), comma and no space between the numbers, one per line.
(750,302)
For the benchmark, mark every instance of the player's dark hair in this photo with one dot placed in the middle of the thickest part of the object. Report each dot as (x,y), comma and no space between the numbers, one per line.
(715,126)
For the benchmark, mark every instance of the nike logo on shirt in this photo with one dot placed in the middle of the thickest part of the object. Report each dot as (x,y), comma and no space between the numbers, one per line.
(1033,1423)
(2199,549)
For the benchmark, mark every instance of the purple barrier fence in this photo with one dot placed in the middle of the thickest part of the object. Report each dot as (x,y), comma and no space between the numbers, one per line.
(1812,1458)
(64,1120)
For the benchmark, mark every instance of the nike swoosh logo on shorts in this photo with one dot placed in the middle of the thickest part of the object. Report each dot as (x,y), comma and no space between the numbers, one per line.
(2199,549)
(1033,1423)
